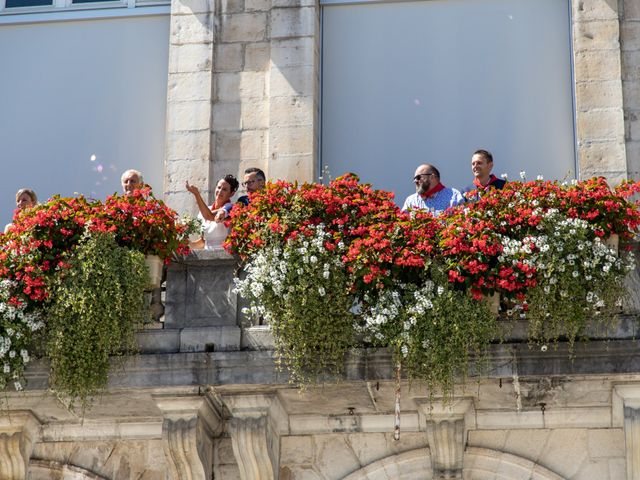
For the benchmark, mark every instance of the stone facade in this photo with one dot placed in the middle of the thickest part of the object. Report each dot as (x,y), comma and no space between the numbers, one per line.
(213,405)
(244,90)
(630,53)
(205,400)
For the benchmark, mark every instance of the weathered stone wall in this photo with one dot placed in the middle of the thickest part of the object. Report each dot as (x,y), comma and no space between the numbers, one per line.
(598,87)
(243,92)
(630,46)
(122,460)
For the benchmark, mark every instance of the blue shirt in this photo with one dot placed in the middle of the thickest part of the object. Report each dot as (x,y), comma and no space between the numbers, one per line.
(437,203)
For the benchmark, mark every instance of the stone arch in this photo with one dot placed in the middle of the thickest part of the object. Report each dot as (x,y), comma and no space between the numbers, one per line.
(51,470)
(487,464)
(411,465)
(479,464)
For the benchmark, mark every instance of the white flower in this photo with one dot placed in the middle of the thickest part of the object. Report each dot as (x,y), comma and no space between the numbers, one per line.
(326,274)
(7,368)
(523,175)
(540,177)
(504,176)
(12,354)
(405,350)
(18,385)
(321,291)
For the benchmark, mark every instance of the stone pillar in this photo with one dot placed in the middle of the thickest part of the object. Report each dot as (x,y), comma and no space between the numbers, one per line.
(447,425)
(189,103)
(630,46)
(294,89)
(200,302)
(190,424)
(18,432)
(255,427)
(599,108)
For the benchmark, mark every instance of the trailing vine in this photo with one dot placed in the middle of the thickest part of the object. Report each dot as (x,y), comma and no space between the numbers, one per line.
(97,306)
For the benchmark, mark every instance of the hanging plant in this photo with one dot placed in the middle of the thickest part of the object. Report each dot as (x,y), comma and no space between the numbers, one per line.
(96,308)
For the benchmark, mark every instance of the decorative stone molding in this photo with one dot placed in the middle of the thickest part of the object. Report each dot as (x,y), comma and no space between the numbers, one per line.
(189,426)
(250,440)
(626,413)
(48,469)
(18,432)
(446,434)
(446,440)
(255,427)
(411,465)
(495,465)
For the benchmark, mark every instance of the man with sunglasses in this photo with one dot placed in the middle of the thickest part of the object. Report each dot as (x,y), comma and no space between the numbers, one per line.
(430,194)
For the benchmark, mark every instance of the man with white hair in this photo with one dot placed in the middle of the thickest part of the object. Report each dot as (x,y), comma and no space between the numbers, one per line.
(131,180)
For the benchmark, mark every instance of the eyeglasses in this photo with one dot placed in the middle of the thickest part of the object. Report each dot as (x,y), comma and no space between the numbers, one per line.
(418,177)
(249,182)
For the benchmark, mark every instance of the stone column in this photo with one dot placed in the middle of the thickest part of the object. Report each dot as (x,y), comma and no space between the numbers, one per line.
(294,89)
(630,45)
(18,432)
(255,427)
(189,102)
(599,108)
(190,424)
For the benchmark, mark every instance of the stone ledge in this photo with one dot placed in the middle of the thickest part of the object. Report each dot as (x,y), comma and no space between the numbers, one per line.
(620,357)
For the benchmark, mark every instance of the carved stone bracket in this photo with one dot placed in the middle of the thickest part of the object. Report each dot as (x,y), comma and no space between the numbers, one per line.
(190,424)
(255,427)
(626,413)
(18,432)
(446,441)
(447,435)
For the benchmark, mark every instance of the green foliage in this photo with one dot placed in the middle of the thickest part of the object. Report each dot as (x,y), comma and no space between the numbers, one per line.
(97,305)
(302,290)
(436,331)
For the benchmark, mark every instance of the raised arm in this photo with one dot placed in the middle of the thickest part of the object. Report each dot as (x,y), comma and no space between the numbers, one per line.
(206,212)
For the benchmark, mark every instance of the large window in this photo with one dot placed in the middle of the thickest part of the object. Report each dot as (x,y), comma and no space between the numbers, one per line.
(82,102)
(405,83)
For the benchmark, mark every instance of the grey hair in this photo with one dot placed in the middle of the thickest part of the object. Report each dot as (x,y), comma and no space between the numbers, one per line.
(130,171)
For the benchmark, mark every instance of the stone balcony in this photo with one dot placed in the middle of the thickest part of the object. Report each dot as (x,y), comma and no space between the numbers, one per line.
(207,375)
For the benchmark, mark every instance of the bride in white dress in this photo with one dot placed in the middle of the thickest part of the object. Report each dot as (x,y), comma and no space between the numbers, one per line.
(214,231)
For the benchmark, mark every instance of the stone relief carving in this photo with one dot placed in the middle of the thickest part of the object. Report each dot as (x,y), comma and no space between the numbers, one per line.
(251,448)
(190,424)
(446,441)
(18,432)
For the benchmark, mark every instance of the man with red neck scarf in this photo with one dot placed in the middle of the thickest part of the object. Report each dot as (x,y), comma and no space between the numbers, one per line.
(481,166)
(430,194)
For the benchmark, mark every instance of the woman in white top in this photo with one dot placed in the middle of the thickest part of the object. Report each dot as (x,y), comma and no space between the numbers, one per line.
(25,198)
(215,232)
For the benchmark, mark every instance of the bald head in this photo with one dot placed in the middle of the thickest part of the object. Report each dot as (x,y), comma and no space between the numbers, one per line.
(426,177)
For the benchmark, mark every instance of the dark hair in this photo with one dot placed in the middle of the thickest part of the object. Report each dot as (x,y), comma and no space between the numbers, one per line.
(484,153)
(232,181)
(257,171)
